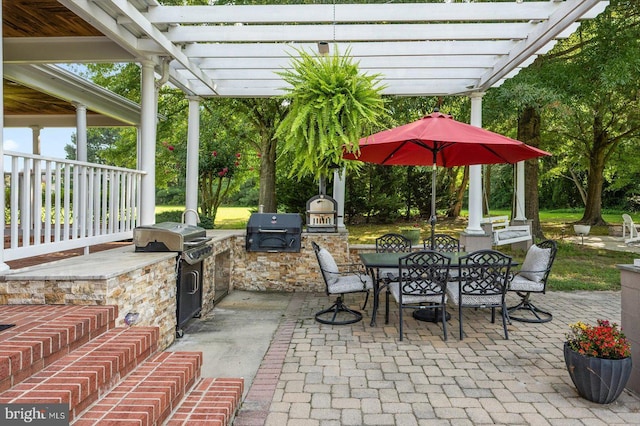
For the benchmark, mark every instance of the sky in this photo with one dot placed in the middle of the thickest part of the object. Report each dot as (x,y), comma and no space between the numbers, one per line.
(52,140)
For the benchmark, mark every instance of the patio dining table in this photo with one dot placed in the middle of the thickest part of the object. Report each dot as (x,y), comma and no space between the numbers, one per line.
(373,262)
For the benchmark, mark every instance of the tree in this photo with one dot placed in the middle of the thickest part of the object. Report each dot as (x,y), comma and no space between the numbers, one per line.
(600,107)
(264,115)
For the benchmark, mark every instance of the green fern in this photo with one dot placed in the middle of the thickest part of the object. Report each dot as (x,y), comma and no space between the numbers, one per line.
(331,107)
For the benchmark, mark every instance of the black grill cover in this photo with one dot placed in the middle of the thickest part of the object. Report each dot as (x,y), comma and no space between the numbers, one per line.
(274,232)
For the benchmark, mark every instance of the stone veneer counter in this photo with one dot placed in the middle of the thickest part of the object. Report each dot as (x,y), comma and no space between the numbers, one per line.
(142,283)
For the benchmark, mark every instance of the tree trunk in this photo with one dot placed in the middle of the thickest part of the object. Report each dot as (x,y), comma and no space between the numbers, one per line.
(529,133)
(486,190)
(593,208)
(267,198)
(454,212)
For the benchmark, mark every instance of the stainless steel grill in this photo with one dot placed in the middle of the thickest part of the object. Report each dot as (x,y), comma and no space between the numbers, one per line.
(190,242)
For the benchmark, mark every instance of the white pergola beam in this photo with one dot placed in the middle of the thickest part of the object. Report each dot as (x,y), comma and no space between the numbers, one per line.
(356,49)
(108,25)
(562,19)
(397,12)
(364,32)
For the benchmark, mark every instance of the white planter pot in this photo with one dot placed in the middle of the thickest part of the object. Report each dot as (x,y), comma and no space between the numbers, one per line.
(581,229)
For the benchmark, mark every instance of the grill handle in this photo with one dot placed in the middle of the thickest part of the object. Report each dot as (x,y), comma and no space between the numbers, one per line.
(197,241)
(195,281)
(272,231)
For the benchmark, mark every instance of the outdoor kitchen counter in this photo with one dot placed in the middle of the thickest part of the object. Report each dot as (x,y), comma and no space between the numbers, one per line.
(101,265)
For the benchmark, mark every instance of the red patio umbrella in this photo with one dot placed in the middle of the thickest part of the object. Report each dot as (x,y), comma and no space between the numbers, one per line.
(439,140)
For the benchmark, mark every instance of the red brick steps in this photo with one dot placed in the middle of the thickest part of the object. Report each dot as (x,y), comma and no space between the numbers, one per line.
(211,402)
(43,334)
(108,375)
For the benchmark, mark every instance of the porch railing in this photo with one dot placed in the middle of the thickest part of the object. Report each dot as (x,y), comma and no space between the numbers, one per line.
(53,205)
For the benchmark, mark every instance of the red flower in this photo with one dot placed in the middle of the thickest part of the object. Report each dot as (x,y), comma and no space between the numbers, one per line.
(238,155)
(604,340)
(214,153)
(237,163)
(259,155)
(170,148)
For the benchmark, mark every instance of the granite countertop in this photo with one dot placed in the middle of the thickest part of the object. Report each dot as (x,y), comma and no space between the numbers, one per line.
(95,266)
(103,264)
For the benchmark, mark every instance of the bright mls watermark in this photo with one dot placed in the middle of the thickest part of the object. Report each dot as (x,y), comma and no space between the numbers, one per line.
(34,414)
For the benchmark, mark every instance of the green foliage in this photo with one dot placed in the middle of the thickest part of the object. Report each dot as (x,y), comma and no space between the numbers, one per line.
(332,106)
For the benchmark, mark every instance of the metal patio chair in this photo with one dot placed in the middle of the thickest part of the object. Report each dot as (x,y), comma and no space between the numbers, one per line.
(483,280)
(442,243)
(532,278)
(421,284)
(351,280)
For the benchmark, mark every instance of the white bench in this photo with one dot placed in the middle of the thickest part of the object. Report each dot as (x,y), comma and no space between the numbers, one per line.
(503,233)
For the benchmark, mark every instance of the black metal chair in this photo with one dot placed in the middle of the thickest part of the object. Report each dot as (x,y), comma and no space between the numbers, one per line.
(483,280)
(442,243)
(532,278)
(393,243)
(352,280)
(421,284)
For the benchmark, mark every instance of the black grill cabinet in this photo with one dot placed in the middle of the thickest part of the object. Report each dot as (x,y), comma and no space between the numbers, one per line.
(274,232)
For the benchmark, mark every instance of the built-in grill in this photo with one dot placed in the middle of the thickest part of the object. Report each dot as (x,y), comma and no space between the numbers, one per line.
(274,232)
(190,242)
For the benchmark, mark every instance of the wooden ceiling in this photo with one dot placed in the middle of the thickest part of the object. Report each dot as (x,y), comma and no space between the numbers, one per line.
(38,18)
(42,18)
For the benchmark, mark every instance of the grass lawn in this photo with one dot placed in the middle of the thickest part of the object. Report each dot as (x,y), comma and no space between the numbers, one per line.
(575,268)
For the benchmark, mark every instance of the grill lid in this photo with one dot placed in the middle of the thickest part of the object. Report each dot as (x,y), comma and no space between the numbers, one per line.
(168,236)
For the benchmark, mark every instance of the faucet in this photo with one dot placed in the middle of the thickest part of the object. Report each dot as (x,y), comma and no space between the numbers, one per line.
(191,210)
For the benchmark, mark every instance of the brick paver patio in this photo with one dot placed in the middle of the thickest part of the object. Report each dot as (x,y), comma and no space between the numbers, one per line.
(315,374)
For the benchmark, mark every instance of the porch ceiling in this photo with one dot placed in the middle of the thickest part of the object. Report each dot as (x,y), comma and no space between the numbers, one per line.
(223,50)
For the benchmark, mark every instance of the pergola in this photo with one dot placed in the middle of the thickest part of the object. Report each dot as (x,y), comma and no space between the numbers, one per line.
(436,48)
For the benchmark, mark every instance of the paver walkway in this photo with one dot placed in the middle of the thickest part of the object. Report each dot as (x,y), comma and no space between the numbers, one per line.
(359,375)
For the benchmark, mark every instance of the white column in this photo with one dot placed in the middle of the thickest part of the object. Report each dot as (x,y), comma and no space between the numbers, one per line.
(193,143)
(520,213)
(147,158)
(475,172)
(35,140)
(81,132)
(3,266)
(339,184)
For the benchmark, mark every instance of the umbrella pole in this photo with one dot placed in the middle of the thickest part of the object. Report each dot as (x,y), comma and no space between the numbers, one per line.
(433,218)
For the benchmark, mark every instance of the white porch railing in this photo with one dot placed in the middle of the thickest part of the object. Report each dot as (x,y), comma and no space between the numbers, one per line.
(53,205)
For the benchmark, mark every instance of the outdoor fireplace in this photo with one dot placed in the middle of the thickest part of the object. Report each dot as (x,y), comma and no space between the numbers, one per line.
(322,214)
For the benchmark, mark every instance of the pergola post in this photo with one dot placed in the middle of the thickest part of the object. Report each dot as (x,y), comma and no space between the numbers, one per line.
(193,143)
(339,184)
(474,238)
(520,214)
(475,172)
(147,158)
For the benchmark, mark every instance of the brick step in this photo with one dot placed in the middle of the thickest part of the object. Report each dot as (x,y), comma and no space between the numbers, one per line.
(149,394)
(211,402)
(44,334)
(90,371)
